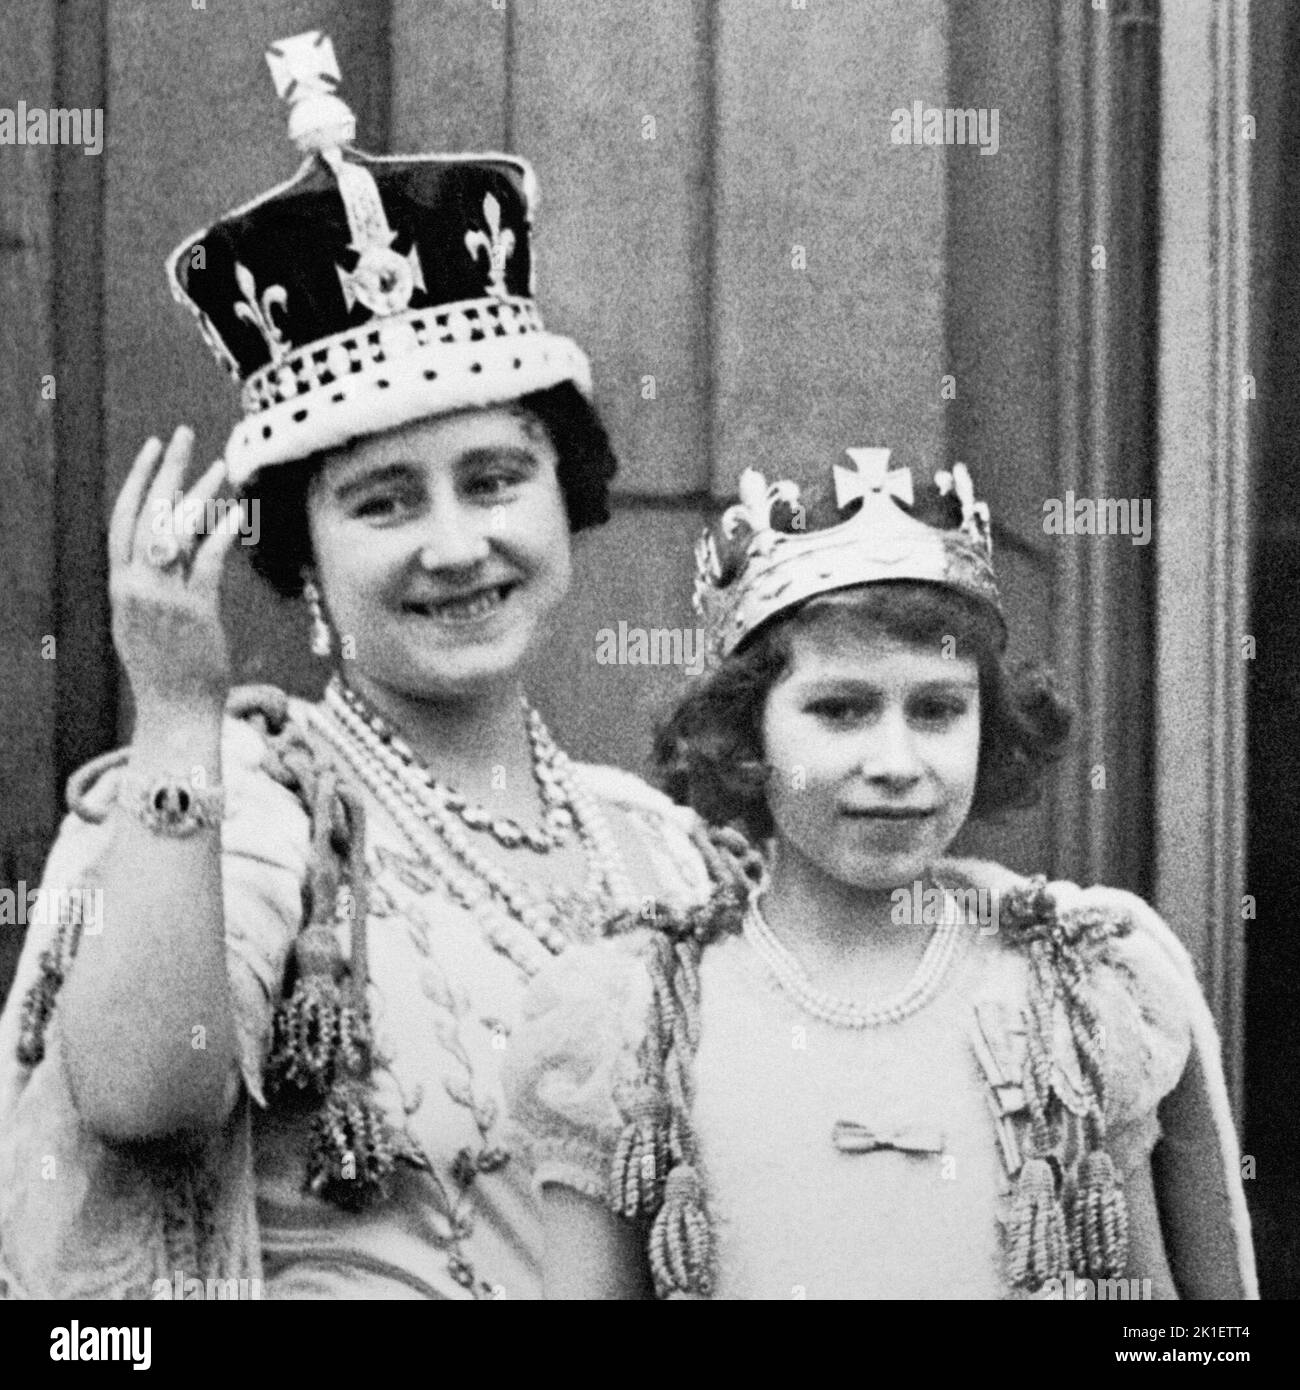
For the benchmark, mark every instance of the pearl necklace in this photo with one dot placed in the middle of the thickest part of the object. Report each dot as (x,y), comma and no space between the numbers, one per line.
(844,1013)
(548,768)
(549,922)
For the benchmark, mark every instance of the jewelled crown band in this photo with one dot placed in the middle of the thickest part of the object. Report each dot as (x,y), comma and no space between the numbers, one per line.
(763,557)
(368,292)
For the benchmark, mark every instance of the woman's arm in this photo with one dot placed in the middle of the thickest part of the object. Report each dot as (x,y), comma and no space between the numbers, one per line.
(590,1252)
(146,1016)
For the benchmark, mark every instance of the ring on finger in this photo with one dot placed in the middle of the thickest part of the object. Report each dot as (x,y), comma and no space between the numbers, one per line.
(164,550)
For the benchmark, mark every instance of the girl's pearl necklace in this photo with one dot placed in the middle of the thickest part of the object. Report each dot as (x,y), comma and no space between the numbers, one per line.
(843,1013)
(471,877)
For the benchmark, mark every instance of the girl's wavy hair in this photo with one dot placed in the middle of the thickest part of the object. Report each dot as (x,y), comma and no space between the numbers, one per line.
(586,465)
(709,751)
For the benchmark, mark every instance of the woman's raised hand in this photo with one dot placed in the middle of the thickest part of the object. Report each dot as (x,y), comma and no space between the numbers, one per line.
(164,579)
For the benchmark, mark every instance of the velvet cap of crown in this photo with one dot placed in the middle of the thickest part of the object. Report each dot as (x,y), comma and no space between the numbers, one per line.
(368,291)
(764,557)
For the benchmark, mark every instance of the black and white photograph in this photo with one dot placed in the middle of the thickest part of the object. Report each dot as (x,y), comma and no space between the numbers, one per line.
(650,652)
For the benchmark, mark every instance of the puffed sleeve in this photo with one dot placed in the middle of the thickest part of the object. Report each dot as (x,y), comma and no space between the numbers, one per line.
(654,836)
(1166,1084)
(573,1056)
(1144,991)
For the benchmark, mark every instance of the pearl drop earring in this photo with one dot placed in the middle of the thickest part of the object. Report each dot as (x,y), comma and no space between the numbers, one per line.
(322,640)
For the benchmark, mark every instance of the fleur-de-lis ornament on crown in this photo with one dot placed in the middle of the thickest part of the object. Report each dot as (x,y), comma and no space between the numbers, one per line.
(258,313)
(497,243)
(754,510)
(708,565)
(975,520)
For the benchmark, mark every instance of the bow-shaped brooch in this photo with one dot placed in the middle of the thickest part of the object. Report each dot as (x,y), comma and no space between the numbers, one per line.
(849,1137)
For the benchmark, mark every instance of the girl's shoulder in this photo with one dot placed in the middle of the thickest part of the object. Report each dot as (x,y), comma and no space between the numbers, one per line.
(1108,926)
(1116,954)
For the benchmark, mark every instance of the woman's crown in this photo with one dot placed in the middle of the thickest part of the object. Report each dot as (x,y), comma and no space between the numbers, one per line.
(368,291)
(763,557)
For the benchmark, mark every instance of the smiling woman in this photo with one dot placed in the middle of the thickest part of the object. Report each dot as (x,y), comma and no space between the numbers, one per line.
(475,498)
(585,467)
(297,1080)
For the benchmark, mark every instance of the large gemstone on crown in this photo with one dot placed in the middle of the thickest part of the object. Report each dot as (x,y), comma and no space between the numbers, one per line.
(383,281)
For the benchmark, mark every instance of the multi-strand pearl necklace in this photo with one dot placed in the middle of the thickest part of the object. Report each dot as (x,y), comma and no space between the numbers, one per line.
(500,904)
(843,1013)
(557,816)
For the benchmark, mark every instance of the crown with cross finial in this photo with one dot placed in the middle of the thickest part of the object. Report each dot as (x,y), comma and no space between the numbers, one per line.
(763,557)
(368,291)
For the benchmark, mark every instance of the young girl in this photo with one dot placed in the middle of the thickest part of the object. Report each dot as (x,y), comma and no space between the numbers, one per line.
(871,1070)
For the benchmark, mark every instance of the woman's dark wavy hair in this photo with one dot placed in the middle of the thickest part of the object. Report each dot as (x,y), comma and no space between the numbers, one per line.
(586,466)
(709,751)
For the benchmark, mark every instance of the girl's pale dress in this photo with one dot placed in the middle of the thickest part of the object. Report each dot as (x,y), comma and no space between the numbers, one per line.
(846,1162)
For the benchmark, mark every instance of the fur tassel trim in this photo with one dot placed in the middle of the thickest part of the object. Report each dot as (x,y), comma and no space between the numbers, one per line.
(1098,1220)
(354,1152)
(318,1036)
(681,1240)
(1036,1228)
(640,1163)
